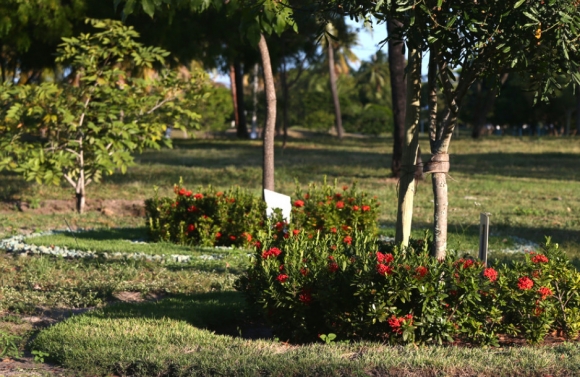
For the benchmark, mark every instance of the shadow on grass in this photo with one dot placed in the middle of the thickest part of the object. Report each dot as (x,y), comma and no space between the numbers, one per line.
(113,234)
(224,313)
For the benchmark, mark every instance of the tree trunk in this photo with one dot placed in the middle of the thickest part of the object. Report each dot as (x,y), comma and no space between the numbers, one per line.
(255,102)
(80,201)
(486,105)
(334,91)
(578,110)
(285,100)
(242,130)
(269,128)
(399,96)
(234,95)
(407,183)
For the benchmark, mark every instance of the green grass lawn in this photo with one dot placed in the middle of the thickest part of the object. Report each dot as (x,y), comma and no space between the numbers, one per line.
(531,187)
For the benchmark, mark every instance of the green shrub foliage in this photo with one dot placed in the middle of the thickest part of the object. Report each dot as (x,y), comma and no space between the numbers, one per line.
(357,287)
(235,217)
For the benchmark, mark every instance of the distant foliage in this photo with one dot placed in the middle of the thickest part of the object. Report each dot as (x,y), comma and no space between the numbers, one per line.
(360,288)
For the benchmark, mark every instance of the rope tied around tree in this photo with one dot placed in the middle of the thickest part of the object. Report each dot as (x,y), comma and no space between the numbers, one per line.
(438,163)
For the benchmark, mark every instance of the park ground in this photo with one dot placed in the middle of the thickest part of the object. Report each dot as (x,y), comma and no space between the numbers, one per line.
(529,185)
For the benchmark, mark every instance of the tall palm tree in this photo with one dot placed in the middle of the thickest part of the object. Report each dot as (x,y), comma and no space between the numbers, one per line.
(338,40)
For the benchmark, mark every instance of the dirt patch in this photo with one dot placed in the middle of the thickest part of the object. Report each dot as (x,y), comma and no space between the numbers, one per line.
(107,207)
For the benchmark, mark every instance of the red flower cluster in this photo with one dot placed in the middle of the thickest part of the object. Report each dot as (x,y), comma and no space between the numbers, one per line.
(282,278)
(383,269)
(340,205)
(338,195)
(304,271)
(347,240)
(305,297)
(355,208)
(366,208)
(333,267)
(490,274)
(272,252)
(540,258)
(384,258)
(232,237)
(218,235)
(545,292)
(396,323)
(279,226)
(299,203)
(296,231)
(248,236)
(190,228)
(192,209)
(198,196)
(421,271)
(333,230)
(525,283)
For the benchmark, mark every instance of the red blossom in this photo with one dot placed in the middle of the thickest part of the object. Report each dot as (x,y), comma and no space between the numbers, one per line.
(490,274)
(338,196)
(232,237)
(258,244)
(306,196)
(347,240)
(304,271)
(395,324)
(333,267)
(540,258)
(218,235)
(383,269)
(274,251)
(333,247)
(198,196)
(299,203)
(340,205)
(188,193)
(192,209)
(468,263)
(344,188)
(305,297)
(355,208)
(345,227)
(296,232)
(279,226)
(421,271)
(545,292)
(218,194)
(366,208)
(333,230)
(182,191)
(282,278)
(190,228)
(286,235)
(384,258)
(248,236)
(525,283)
(281,268)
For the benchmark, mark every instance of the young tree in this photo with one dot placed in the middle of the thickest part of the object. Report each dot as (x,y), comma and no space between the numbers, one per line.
(92,127)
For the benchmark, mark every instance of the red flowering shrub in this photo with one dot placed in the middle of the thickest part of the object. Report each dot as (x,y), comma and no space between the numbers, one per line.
(372,290)
(540,258)
(321,209)
(206,218)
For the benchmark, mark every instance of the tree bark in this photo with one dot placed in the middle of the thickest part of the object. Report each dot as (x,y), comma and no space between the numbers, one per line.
(334,91)
(269,128)
(242,128)
(234,95)
(407,183)
(399,96)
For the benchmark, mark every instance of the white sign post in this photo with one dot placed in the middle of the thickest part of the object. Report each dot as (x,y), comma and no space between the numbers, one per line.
(276,200)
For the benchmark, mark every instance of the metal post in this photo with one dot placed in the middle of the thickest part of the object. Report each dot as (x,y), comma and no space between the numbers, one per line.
(483,237)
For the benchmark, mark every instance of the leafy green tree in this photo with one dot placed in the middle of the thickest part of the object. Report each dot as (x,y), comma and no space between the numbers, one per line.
(92,126)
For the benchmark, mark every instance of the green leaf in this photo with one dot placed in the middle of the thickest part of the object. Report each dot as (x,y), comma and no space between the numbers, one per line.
(519,3)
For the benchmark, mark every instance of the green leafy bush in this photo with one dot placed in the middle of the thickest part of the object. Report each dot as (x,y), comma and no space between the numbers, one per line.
(235,217)
(206,217)
(360,288)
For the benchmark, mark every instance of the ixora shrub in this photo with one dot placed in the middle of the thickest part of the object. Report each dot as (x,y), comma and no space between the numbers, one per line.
(326,209)
(236,217)
(359,288)
(206,217)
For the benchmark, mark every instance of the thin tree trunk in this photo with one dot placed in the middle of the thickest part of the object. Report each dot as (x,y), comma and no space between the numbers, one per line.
(269,128)
(399,96)
(285,100)
(234,95)
(407,183)
(578,110)
(334,91)
(255,102)
(486,104)
(242,130)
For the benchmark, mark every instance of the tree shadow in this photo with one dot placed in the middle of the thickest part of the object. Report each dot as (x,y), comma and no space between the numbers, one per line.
(110,234)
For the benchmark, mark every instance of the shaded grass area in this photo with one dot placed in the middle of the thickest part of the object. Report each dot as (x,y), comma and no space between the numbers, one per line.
(32,284)
(174,337)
